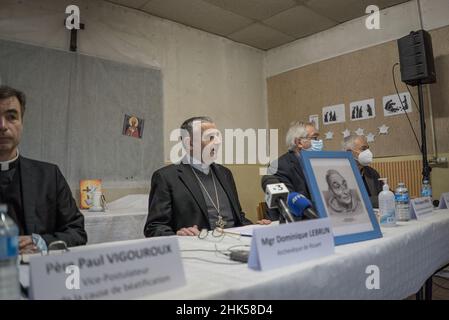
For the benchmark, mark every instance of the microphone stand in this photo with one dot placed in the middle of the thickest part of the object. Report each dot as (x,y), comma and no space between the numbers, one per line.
(426,168)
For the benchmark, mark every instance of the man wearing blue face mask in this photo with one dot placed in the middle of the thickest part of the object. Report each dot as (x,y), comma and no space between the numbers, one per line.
(359,147)
(301,137)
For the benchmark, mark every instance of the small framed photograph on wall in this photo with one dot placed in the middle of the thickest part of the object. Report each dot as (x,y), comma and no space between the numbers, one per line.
(334,114)
(315,119)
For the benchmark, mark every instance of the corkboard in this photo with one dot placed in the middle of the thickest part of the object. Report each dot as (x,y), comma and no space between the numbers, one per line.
(365,74)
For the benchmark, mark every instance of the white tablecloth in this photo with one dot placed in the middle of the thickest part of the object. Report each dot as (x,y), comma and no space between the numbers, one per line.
(407,255)
(123,220)
(106,227)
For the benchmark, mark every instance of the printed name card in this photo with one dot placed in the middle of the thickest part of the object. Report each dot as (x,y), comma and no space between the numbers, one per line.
(120,271)
(421,208)
(292,243)
(444,201)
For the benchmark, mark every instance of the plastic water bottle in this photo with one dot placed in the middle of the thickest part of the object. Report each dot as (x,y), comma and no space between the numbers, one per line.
(387,206)
(402,201)
(426,189)
(9,270)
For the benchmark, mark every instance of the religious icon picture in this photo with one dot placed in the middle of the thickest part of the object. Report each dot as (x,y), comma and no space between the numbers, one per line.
(338,192)
(87,190)
(133,126)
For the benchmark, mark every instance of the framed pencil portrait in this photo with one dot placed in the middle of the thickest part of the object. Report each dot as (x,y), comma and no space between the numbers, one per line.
(338,192)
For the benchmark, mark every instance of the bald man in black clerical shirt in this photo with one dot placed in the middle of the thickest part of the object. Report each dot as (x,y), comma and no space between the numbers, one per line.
(37,196)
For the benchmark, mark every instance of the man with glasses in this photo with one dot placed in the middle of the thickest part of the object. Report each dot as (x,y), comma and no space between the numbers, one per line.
(359,147)
(195,194)
(301,137)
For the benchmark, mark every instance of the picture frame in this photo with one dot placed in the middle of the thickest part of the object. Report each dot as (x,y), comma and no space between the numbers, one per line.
(338,192)
(133,126)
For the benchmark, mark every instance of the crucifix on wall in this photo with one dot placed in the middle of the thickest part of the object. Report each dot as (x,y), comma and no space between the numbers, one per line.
(74,38)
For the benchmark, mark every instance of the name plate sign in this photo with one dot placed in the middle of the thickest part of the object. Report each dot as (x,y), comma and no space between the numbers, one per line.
(421,208)
(287,244)
(444,201)
(122,270)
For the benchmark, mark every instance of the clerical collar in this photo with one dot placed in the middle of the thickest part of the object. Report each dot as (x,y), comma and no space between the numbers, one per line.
(10,164)
(204,168)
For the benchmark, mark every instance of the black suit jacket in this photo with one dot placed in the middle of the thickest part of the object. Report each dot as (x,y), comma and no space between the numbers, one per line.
(176,200)
(48,205)
(289,171)
(373,184)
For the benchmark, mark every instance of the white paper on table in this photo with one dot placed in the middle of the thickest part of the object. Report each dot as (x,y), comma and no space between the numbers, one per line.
(247,231)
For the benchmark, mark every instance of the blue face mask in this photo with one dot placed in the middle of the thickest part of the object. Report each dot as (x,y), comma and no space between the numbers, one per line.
(316,145)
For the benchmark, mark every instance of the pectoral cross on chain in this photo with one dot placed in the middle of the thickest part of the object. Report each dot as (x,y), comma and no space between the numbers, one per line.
(220,223)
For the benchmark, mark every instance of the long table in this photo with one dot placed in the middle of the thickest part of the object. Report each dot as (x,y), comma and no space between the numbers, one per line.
(407,256)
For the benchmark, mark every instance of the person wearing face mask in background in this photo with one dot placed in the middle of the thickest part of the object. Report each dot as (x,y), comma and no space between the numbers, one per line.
(300,137)
(195,194)
(359,147)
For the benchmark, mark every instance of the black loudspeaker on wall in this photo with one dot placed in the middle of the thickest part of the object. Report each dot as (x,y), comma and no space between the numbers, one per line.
(416,58)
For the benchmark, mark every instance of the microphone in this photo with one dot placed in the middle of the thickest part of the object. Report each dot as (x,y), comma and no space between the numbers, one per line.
(276,194)
(266,180)
(300,206)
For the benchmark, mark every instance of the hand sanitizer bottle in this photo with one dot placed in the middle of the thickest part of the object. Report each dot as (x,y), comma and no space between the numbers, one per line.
(386,206)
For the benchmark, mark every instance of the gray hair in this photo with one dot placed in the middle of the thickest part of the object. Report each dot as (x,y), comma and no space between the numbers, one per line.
(8,92)
(297,130)
(187,126)
(328,175)
(349,142)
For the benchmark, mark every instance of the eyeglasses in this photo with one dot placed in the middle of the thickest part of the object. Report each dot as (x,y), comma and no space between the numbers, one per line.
(217,233)
(362,148)
(312,138)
